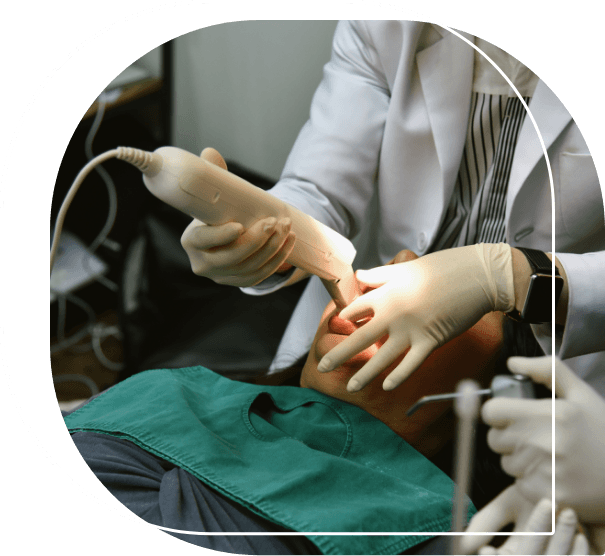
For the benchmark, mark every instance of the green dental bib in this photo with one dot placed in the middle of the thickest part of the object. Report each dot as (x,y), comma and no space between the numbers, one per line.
(292,455)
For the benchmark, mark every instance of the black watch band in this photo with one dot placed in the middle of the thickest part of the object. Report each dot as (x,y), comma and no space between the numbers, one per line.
(538,302)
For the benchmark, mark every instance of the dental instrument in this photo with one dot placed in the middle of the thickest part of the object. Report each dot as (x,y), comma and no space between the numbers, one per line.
(210,193)
(502,386)
(466,407)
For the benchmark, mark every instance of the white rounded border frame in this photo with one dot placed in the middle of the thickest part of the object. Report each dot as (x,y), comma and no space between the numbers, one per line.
(222,533)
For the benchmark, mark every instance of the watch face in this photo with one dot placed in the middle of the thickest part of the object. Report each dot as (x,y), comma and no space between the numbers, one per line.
(538,303)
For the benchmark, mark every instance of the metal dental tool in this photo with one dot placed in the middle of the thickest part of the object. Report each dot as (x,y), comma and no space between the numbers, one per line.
(507,386)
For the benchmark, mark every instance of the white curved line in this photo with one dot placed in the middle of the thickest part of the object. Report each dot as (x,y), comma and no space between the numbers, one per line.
(4,174)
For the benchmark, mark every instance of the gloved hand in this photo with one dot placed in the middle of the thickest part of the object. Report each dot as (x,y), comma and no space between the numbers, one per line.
(522,433)
(511,507)
(230,255)
(421,305)
(403,256)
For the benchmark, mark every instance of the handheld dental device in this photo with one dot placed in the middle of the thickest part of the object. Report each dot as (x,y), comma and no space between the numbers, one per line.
(506,386)
(204,189)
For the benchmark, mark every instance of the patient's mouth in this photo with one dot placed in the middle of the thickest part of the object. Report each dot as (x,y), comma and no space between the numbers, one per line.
(338,329)
(336,325)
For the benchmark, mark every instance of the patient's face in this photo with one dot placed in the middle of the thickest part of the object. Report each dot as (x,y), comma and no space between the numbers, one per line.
(470,355)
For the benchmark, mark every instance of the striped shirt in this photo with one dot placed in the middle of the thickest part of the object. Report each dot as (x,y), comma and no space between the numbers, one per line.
(477,208)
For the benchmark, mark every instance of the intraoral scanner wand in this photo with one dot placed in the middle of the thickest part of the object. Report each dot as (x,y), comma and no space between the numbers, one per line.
(208,192)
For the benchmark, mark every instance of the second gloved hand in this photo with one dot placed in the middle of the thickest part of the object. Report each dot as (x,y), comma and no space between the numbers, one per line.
(522,432)
(421,305)
(511,507)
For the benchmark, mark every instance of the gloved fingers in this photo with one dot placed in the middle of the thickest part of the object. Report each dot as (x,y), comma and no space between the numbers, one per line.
(472,544)
(361,339)
(378,276)
(513,546)
(501,511)
(212,155)
(403,256)
(251,241)
(523,544)
(561,542)
(271,267)
(580,545)
(254,278)
(502,412)
(508,440)
(411,361)
(524,460)
(537,483)
(539,521)
(387,353)
(201,237)
(500,441)
(361,308)
(268,251)
(540,369)
(226,261)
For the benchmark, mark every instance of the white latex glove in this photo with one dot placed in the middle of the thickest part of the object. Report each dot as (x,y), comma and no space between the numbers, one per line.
(510,507)
(522,433)
(230,255)
(421,305)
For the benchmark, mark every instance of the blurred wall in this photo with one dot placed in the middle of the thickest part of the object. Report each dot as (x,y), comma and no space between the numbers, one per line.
(245,88)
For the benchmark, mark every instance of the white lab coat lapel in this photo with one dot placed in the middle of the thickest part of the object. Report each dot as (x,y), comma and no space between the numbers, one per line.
(446,76)
(551,117)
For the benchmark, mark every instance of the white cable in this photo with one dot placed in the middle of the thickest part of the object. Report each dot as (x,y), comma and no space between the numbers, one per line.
(70,197)
(111,192)
(101,237)
(100,331)
(143,161)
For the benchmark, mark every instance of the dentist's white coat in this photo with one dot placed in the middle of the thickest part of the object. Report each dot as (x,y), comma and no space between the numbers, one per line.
(378,160)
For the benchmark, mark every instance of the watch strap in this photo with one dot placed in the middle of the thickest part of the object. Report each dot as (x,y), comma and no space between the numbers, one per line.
(537,307)
(538,261)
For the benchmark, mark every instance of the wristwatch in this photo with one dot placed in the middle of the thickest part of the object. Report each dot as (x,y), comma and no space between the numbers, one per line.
(538,302)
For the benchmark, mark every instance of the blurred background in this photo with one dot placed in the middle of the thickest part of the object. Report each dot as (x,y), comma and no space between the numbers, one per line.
(123,297)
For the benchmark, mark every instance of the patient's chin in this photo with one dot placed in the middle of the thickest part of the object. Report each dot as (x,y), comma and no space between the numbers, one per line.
(470,355)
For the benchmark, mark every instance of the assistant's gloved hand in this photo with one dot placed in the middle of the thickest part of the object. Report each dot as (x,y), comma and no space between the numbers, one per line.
(421,305)
(230,255)
(511,507)
(522,433)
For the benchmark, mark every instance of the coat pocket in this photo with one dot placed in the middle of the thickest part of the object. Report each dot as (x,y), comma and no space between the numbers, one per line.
(579,195)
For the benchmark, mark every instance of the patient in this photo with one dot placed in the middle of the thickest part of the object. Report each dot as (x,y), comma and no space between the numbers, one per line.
(470,355)
(167,494)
